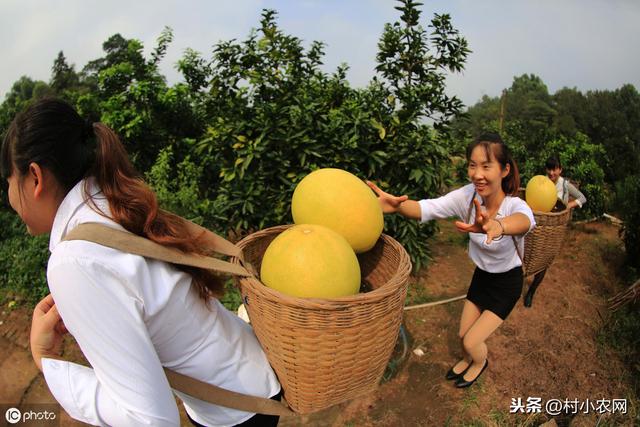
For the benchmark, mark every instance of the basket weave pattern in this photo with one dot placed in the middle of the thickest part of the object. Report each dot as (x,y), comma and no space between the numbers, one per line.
(544,242)
(328,351)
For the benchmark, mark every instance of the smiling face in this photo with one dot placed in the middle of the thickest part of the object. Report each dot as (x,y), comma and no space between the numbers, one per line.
(554,174)
(486,173)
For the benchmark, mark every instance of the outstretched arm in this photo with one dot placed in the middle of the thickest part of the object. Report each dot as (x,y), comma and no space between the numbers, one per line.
(515,224)
(400,204)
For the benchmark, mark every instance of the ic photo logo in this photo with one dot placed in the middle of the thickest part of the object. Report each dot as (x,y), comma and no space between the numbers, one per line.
(34,415)
(13,415)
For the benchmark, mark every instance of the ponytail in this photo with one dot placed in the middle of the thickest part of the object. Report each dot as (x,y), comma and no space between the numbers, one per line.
(51,133)
(135,206)
(511,182)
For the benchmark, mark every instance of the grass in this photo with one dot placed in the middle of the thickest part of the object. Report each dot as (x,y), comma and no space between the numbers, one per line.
(499,418)
(471,395)
(621,331)
(417,294)
(447,233)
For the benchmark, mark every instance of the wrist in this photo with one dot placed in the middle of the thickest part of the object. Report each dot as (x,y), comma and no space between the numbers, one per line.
(501,225)
(38,358)
(410,209)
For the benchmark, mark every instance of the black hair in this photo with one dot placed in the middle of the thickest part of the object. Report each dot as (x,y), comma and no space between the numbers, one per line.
(553,162)
(49,132)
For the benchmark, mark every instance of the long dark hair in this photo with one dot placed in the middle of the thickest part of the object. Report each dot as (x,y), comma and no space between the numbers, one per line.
(50,133)
(493,144)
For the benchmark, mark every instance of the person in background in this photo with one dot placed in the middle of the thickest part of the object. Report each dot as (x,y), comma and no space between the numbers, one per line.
(567,192)
(497,220)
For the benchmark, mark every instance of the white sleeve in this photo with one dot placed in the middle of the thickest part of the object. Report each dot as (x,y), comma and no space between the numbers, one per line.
(450,205)
(520,206)
(127,385)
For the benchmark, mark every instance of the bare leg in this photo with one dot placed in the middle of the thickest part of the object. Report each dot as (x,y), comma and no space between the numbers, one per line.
(474,341)
(470,313)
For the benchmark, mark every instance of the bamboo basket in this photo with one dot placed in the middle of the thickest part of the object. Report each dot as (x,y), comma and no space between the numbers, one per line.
(328,351)
(544,242)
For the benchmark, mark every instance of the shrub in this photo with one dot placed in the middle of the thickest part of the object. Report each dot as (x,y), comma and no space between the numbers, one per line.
(628,204)
(23,259)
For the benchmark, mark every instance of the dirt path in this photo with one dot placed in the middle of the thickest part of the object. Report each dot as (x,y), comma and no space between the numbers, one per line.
(549,351)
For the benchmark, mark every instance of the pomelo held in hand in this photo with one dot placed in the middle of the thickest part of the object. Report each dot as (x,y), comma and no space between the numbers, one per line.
(341,201)
(541,194)
(311,261)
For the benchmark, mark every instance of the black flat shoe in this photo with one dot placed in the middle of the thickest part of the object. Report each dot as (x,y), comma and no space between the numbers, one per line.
(462,383)
(453,376)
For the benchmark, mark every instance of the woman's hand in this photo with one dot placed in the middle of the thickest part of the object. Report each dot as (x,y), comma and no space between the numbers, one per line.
(483,224)
(47,330)
(388,202)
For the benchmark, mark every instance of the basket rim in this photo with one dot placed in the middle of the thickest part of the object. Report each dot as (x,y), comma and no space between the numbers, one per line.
(389,288)
(552,214)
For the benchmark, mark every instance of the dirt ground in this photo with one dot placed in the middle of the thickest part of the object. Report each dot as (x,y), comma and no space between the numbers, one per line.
(549,351)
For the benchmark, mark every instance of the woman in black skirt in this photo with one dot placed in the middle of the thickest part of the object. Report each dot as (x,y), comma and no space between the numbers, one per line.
(488,209)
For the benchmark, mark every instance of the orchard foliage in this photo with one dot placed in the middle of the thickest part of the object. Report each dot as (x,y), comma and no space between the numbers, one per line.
(227,146)
(596,135)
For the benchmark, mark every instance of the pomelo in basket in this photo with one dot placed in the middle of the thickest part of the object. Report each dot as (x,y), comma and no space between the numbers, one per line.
(311,261)
(341,201)
(541,194)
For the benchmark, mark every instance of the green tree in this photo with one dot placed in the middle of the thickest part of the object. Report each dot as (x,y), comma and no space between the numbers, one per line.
(272,116)
(133,98)
(615,123)
(63,75)
(21,93)
(572,115)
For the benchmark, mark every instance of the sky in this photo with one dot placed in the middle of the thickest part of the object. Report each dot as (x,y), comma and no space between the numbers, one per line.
(586,44)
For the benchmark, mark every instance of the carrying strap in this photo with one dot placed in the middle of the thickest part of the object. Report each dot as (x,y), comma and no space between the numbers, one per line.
(227,398)
(133,244)
(137,245)
(515,243)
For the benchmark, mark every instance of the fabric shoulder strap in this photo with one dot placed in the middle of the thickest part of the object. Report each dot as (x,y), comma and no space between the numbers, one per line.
(137,245)
(227,398)
(470,207)
(131,243)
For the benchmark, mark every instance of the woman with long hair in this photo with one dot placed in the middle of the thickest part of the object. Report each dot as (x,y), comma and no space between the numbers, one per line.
(131,316)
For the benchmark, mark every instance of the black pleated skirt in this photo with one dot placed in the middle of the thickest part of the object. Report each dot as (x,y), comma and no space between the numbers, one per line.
(496,292)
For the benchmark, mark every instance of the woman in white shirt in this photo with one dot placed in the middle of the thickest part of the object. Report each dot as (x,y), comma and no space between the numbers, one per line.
(488,209)
(567,192)
(130,315)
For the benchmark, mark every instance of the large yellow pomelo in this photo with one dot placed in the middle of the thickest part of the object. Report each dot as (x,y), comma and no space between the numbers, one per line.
(341,201)
(313,261)
(541,194)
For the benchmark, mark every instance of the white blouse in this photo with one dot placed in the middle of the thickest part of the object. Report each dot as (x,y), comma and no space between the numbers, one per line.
(499,255)
(133,316)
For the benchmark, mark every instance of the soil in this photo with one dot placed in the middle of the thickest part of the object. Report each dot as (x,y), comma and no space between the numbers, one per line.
(553,350)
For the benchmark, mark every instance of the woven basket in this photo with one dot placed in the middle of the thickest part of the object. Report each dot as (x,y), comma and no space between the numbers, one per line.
(328,351)
(543,243)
